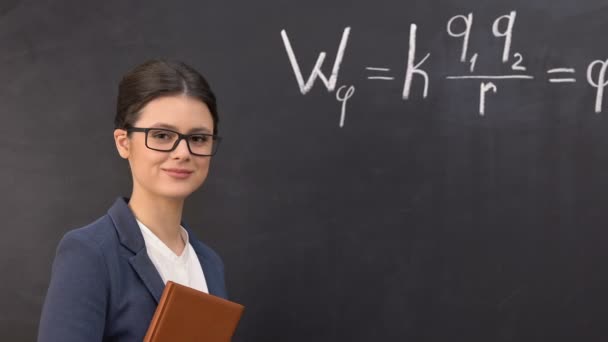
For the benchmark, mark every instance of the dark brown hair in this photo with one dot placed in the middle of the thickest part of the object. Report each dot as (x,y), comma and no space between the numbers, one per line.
(156,78)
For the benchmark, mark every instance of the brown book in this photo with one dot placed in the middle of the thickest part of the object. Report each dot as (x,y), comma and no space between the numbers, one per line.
(188,315)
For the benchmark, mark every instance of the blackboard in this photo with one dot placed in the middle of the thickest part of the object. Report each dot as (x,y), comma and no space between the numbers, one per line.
(417,219)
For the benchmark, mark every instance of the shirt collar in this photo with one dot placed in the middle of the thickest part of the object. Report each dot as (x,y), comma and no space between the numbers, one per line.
(153,242)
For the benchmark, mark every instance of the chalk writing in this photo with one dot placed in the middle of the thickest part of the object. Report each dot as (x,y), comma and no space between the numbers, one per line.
(416,74)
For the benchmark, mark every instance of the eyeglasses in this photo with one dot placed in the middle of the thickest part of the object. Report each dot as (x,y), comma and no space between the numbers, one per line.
(165,140)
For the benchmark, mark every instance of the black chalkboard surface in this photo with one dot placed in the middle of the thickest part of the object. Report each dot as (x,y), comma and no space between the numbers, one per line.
(354,206)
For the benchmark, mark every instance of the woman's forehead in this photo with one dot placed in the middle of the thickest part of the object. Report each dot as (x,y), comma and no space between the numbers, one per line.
(177,112)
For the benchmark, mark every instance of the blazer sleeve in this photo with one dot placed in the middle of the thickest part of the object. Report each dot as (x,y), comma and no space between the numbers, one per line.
(76,302)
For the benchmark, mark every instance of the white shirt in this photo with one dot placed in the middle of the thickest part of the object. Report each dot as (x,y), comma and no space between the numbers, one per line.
(184,269)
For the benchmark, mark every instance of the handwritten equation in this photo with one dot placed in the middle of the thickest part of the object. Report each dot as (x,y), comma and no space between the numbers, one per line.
(458,27)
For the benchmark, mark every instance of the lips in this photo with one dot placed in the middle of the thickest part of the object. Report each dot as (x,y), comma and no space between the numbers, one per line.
(183,171)
(178,173)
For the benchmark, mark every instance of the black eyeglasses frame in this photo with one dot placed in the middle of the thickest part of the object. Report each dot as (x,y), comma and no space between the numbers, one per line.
(216,139)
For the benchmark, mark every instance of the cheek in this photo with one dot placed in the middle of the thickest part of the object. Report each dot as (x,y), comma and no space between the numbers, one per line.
(146,163)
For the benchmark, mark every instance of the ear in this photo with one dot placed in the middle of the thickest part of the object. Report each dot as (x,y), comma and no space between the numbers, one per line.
(122,143)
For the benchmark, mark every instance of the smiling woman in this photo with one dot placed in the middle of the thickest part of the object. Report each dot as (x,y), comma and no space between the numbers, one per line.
(159,153)
(108,276)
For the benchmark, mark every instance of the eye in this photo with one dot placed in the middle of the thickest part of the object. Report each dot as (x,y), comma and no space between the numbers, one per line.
(199,139)
(162,135)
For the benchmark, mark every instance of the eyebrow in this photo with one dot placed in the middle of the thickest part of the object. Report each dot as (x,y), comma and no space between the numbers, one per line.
(173,128)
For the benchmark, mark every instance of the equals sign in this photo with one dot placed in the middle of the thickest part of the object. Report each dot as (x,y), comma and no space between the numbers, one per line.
(561,79)
(379,77)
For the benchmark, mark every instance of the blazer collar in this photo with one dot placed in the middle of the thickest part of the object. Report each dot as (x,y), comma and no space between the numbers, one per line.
(128,231)
(213,274)
(130,236)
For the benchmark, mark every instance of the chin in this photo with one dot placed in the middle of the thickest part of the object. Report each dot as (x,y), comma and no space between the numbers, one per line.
(174,196)
(176,192)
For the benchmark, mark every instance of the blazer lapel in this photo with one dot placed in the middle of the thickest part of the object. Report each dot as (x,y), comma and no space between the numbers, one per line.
(211,270)
(147,272)
(212,276)
(130,237)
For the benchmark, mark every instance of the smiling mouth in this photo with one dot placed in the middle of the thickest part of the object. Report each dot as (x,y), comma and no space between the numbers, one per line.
(176,173)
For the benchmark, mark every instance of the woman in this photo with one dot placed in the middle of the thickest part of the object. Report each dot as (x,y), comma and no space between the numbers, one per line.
(108,276)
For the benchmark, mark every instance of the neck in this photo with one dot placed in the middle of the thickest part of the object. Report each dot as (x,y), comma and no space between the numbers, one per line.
(161,215)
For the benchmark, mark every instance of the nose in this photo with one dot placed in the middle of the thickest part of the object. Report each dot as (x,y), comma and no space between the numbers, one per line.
(181,150)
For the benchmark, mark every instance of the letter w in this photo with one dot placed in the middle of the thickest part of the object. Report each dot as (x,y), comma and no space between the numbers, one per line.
(316,71)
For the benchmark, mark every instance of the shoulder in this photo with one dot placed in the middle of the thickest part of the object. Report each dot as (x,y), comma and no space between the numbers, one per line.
(87,243)
(76,299)
(99,233)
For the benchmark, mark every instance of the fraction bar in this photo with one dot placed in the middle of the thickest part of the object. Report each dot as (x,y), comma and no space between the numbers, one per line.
(380,78)
(491,77)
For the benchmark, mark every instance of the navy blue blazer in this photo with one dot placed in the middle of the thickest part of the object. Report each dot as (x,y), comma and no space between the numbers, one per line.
(104,286)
